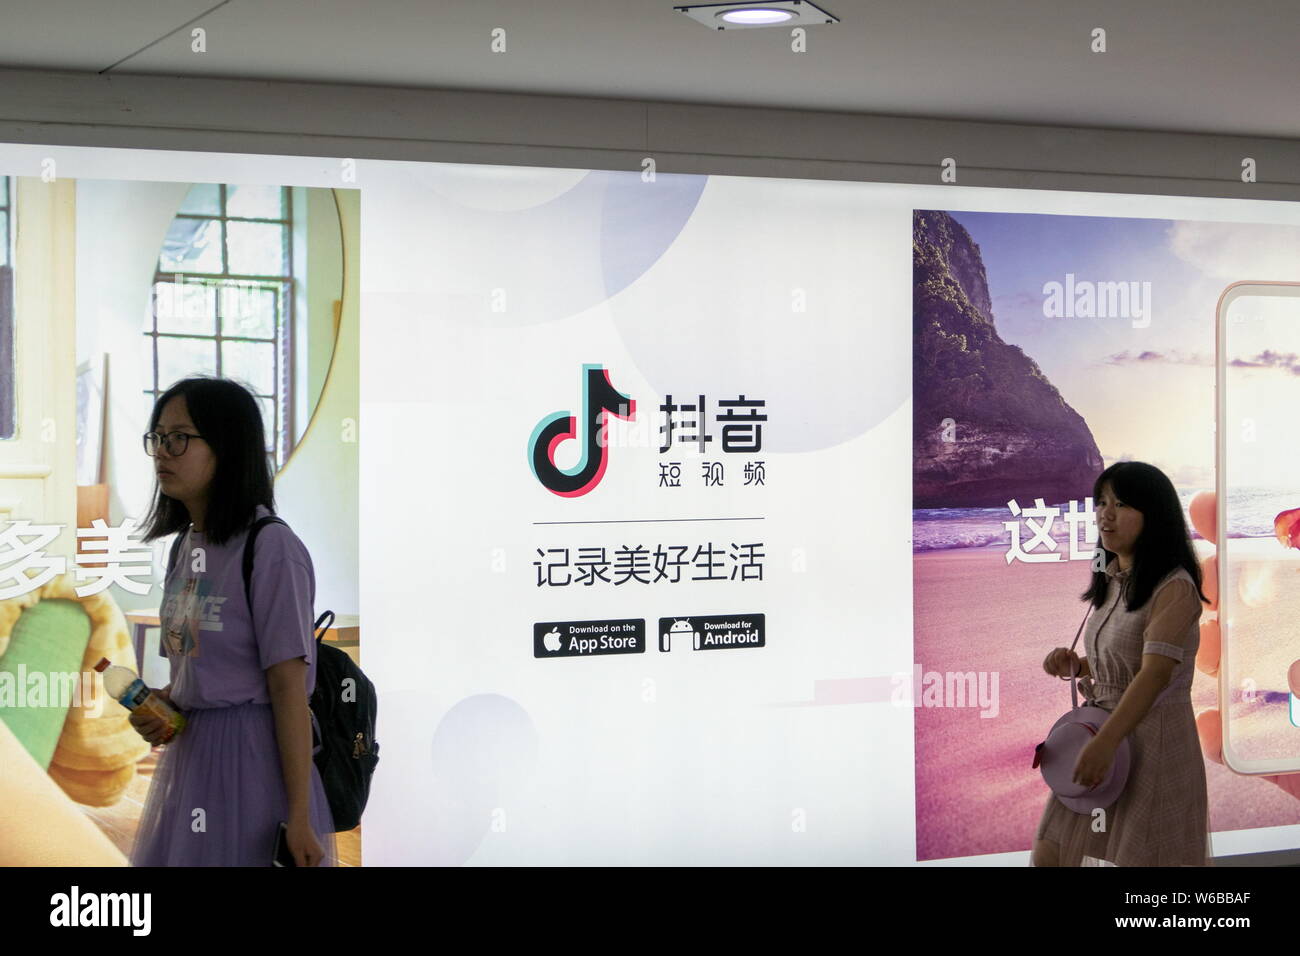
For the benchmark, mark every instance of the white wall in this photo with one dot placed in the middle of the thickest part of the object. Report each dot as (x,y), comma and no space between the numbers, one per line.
(317,490)
(120,229)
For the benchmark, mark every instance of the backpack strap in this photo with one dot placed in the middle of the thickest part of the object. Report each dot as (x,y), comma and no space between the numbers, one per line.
(322,628)
(248,555)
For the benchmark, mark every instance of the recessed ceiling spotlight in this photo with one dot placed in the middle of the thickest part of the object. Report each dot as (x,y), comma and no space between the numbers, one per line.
(749,16)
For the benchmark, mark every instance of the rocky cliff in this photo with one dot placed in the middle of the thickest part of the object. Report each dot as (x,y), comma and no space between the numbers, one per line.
(1013,435)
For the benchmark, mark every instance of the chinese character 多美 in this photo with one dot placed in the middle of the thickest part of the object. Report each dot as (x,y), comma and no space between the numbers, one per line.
(1039,520)
(119,567)
(669,409)
(21,556)
(745,433)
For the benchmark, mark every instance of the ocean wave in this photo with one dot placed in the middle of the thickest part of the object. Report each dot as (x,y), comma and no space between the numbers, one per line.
(935,540)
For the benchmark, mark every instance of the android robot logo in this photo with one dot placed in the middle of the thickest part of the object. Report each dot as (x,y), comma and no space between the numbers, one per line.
(683,631)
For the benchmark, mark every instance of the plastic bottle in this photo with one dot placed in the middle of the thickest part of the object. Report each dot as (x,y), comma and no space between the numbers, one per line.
(136,696)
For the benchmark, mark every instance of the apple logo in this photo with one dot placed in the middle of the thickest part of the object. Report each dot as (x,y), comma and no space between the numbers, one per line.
(551,639)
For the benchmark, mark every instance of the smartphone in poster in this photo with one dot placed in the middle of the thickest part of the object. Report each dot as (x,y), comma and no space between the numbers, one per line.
(1259,524)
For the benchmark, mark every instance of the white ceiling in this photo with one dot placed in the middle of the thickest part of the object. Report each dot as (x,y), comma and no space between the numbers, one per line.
(1178,65)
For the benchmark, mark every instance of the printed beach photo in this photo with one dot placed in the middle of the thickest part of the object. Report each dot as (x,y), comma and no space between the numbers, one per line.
(1046,348)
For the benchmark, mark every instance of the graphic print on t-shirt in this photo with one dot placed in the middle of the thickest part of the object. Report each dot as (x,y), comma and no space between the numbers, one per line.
(192,609)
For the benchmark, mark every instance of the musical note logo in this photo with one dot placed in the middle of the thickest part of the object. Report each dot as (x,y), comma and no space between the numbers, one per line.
(599,399)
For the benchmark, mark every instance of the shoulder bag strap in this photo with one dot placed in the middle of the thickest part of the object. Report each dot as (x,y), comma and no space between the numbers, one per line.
(1074,689)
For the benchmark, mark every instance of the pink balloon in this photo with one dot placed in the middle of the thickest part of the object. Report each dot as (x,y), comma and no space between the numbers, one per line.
(1210,581)
(1203,510)
(1210,729)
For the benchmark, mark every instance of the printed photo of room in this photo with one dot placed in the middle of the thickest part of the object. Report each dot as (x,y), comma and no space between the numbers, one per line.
(112,291)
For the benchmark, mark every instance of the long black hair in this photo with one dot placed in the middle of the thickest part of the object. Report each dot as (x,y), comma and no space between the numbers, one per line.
(229,418)
(1164,542)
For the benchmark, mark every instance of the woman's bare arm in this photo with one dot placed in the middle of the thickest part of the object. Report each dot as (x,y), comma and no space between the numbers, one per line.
(1140,694)
(287,683)
(1175,607)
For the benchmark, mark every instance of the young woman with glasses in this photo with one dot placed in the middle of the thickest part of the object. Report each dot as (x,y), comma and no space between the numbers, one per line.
(243,762)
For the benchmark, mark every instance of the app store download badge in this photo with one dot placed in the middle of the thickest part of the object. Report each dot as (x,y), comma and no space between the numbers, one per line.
(589,638)
(714,633)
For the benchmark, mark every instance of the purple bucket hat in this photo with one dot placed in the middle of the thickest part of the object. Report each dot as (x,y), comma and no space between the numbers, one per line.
(1058,754)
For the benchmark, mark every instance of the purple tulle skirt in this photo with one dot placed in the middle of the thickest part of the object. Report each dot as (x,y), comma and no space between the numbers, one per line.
(226,762)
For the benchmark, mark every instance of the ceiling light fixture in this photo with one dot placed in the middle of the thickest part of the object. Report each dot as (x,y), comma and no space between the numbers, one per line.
(750,16)
(760,17)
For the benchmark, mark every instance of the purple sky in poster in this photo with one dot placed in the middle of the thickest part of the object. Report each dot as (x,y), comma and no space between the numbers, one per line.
(1106,366)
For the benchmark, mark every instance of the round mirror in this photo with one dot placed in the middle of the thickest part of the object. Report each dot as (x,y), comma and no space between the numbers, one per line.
(249,286)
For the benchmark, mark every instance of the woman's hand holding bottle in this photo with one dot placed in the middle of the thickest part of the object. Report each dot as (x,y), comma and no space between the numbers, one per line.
(149,726)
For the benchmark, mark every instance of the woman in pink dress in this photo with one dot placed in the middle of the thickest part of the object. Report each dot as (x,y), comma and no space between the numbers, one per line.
(1140,640)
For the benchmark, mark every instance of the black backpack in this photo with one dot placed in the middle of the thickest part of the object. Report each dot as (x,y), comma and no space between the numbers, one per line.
(343,746)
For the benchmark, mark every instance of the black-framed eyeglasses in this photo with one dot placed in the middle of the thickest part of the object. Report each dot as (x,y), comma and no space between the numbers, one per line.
(177,443)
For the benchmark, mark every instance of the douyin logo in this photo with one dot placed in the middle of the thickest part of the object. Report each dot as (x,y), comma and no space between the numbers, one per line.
(599,399)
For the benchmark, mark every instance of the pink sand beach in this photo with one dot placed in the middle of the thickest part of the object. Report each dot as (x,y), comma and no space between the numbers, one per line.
(976,792)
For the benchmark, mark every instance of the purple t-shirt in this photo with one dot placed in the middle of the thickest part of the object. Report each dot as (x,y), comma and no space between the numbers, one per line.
(218,658)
